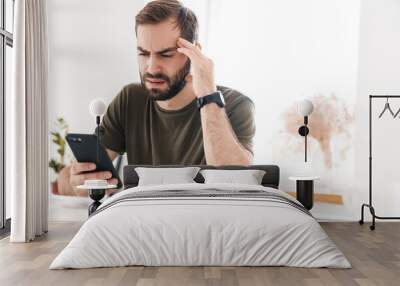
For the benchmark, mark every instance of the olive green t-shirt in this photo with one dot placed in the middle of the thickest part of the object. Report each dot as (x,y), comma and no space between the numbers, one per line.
(151,135)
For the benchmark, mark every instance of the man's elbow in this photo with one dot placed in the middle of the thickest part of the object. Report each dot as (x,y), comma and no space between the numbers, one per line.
(244,158)
(248,158)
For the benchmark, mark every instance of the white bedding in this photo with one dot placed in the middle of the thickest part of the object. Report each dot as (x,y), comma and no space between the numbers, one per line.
(182,231)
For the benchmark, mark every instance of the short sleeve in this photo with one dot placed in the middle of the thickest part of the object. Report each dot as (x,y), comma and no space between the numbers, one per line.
(113,124)
(242,119)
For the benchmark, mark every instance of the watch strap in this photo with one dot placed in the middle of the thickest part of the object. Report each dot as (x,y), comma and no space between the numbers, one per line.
(216,97)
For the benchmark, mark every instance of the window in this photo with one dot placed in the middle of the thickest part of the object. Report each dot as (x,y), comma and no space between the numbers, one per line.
(6,44)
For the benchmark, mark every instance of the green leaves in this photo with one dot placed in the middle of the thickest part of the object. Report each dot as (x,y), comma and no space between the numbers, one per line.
(56,166)
(58,138)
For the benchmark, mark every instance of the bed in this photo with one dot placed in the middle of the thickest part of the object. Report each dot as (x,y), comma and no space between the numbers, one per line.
(201,224)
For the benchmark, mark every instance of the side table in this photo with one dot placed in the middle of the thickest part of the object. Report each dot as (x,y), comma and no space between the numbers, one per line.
(305,190)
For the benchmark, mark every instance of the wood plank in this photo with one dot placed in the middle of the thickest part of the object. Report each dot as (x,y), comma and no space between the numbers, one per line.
(324,198)
(374,255)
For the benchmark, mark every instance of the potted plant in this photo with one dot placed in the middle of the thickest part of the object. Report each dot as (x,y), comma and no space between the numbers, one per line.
(58,138)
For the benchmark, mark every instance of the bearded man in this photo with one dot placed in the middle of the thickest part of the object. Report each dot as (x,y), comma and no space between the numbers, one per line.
(176,114)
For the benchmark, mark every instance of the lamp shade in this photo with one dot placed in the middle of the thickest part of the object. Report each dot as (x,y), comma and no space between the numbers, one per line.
(97,107)
(305,107)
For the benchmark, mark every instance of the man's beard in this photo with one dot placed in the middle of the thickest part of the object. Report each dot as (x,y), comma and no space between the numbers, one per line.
(175,85)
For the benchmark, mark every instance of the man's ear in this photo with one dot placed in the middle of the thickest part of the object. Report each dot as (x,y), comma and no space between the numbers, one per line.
(198,45)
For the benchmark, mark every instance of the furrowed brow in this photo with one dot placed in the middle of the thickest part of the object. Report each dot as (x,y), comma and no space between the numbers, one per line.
(167,50)
(164,51)
(140,49)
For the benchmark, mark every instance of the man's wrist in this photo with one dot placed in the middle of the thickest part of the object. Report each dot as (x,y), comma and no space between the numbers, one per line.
(215,97)
(206,92)
(211,107)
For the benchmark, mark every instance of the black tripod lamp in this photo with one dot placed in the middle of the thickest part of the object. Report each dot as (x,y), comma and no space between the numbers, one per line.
(97,108)
(305,108)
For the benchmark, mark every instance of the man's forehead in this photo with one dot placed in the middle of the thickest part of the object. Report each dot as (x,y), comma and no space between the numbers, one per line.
(157,37)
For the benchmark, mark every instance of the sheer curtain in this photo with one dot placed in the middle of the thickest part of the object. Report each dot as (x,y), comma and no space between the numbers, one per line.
(29,145)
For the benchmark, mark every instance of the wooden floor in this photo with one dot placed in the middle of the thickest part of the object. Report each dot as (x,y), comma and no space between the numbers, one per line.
(374,255)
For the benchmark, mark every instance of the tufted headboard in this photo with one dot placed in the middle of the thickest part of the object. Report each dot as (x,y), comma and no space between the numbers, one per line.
(270,179)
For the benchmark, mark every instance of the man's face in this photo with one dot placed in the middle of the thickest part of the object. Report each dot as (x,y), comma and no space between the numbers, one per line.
(162,69)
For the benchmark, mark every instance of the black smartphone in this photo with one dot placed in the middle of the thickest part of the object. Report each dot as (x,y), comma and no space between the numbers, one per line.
(84,148)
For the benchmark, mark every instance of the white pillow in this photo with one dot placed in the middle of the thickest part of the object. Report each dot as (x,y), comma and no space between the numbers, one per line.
(248,177)
(161,176)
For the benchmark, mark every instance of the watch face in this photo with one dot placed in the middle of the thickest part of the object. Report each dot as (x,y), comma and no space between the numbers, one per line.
(222,98)
(199,102)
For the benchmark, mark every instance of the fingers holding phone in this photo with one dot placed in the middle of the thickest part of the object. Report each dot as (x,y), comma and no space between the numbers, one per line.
(77,167)
(93,161)
(81,171)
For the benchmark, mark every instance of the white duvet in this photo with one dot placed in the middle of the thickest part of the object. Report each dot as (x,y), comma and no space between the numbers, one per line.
(185,231)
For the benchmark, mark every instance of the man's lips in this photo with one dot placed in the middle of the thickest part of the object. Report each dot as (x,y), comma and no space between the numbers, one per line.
(152,80)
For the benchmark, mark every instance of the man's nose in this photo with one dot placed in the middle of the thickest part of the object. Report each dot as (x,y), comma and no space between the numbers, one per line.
(153,65)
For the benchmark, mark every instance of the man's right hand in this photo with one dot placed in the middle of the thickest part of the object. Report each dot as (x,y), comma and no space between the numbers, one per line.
(79,172)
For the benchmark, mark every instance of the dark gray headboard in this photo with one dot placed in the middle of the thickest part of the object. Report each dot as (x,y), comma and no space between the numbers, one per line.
(270,179)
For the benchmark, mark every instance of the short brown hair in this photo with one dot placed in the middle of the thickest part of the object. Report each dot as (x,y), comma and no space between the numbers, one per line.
(160,10)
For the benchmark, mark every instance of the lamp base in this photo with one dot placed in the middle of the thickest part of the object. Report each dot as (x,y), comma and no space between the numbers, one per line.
(96,195)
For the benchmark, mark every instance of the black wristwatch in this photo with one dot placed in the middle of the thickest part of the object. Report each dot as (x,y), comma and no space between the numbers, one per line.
(216,97)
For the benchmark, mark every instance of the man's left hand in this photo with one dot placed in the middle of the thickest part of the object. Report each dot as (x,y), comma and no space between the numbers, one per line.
(202,75)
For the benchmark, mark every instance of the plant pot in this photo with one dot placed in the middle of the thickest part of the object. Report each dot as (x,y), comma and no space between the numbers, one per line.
(54,187)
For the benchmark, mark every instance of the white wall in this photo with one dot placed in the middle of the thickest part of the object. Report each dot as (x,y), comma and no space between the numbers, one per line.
(92,54)
(276,52)
(378,73)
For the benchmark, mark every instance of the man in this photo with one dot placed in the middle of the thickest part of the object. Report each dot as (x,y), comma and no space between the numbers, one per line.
(177,114)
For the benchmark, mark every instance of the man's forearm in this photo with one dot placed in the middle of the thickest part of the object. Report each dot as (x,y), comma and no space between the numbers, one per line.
(221,145)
